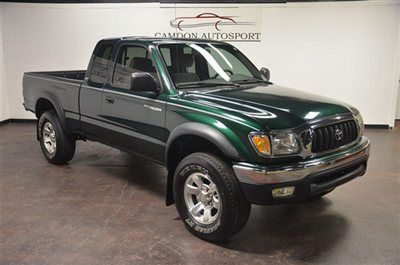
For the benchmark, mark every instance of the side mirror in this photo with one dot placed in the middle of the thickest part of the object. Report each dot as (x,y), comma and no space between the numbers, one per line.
(265,74)
(143,82)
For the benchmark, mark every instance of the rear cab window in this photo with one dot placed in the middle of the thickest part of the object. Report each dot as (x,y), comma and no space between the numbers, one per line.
(101,62)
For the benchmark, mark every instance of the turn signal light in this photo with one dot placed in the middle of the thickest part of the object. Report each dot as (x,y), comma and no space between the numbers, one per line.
(261,143)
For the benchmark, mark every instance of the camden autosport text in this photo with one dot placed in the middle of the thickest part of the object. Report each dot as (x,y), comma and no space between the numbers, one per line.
(225,36)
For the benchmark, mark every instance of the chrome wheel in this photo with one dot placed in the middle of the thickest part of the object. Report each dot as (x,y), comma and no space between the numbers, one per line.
(49,138)
(202,198)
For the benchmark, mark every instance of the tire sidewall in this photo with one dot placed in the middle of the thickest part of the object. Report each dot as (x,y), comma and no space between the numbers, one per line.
(49,117)
(215,230)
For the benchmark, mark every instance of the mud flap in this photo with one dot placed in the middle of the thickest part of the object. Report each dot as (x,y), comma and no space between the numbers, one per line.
(169,200)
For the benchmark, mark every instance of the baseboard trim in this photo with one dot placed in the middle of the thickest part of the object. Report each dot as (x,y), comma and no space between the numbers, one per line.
(17,121)
(376,126)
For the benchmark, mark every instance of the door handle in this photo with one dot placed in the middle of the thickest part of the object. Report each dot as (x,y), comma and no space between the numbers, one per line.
(110,100)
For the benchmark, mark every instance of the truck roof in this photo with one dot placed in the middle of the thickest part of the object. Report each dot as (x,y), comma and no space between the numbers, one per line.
(161,39)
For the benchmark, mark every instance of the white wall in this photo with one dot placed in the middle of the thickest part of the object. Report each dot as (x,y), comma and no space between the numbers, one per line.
(341,50)
(4,110)
(398,78)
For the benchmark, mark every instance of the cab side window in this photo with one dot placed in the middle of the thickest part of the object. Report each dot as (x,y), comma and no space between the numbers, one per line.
(100,65)
(131,59)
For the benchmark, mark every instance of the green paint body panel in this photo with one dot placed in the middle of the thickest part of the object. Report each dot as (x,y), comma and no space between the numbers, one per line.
(233,111)
(236,112)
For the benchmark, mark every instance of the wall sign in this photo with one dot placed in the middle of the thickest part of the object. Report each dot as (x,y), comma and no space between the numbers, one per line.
(226,24)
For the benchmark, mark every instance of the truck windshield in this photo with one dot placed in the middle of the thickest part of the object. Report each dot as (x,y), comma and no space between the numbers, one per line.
(205,65)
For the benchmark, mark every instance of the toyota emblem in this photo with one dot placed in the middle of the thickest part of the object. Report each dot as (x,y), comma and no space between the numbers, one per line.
(338,134)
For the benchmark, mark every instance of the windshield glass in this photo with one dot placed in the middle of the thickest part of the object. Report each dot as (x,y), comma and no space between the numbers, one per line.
(206,64)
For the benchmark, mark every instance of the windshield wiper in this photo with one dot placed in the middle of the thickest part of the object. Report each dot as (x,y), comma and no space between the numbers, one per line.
(251,80)
(202,84)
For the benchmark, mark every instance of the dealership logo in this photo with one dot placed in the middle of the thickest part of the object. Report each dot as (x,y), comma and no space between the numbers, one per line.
(206,20)
(232,26)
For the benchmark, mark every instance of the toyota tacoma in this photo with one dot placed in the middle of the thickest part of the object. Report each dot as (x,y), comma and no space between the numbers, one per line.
(228,136)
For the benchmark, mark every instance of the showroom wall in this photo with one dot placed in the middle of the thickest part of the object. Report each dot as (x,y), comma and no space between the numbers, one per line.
(348,50)
(4,110)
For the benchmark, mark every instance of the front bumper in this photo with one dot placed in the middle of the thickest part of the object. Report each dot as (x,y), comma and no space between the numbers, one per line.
(310,177)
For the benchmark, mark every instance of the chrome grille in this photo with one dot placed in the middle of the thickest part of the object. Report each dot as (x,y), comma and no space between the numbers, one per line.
(333,136)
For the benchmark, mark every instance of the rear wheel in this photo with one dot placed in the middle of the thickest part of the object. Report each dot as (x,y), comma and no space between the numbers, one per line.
(208,197)
(57,146)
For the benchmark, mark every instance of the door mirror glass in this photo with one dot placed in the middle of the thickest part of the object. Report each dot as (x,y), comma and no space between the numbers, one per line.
(265,74)
(143,82)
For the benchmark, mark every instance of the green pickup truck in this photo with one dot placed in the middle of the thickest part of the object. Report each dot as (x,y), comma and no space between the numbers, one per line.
(227,135)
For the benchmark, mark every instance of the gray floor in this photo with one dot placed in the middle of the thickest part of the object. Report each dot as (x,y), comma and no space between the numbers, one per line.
(107,207)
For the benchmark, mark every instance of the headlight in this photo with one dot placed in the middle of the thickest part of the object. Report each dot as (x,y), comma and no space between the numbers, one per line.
(284,144)
(281,143)
(360,123)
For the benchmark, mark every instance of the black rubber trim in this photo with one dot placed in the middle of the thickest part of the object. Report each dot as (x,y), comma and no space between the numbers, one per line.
(58,107)
(206,132)
(201,130)
(318,188)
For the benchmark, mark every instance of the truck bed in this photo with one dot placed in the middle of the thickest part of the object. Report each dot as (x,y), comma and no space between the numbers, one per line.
(70,74)
(62,85)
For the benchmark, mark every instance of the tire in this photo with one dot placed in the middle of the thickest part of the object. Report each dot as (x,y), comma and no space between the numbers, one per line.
(220,191)
(57,146)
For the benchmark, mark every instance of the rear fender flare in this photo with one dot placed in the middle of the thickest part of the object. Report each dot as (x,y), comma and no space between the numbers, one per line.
(58,108)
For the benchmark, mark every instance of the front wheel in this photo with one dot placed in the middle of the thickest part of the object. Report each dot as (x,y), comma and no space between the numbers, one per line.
(208,197)
(57,146)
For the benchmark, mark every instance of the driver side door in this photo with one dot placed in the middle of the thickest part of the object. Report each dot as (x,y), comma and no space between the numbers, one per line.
(134,121)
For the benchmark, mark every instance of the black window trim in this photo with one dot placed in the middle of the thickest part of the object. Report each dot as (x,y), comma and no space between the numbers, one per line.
(100,44)
(172,83)
(111,88)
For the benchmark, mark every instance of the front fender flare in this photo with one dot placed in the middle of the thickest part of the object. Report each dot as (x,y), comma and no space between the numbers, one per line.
(206,132)
(201,130)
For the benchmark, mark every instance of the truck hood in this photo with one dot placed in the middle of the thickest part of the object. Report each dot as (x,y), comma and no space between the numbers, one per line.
(272,106)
